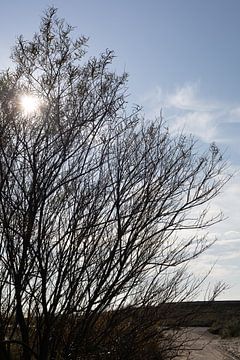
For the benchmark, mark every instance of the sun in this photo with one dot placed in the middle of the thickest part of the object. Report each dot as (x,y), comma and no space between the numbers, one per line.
(29,104)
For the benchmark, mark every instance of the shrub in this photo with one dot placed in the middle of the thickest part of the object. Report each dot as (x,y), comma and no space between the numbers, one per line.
(231,328)
(227,329)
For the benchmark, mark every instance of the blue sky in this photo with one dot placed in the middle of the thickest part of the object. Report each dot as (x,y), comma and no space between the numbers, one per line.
(182,56)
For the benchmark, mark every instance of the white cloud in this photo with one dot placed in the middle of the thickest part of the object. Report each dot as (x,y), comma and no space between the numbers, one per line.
(186,98)
(186,110)
(232,235)
(201,124)
(225,253)
(235,114)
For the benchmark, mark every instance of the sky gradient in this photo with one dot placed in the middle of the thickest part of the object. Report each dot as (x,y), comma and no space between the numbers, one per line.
(182,57)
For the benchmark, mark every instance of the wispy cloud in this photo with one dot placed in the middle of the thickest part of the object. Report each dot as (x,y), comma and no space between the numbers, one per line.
(187,97)
(187,110)
(235,114)
(200,124)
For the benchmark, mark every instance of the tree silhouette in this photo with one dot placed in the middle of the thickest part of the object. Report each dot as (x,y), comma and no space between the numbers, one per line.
(93,203)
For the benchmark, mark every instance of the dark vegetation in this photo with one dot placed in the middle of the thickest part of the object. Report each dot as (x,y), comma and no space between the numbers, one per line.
(150,333)
(226,329)
(101,211)
(202,313)
(221,317)
(225,319)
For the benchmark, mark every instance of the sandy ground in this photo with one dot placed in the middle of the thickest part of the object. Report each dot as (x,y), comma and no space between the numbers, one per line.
(206,346)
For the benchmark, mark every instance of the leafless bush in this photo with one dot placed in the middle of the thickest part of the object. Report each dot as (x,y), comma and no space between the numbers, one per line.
(93,203)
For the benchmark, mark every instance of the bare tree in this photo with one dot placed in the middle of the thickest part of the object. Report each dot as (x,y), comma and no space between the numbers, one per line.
(93,203)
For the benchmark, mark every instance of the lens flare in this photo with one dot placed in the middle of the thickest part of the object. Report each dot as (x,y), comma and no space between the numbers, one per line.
(29,104)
